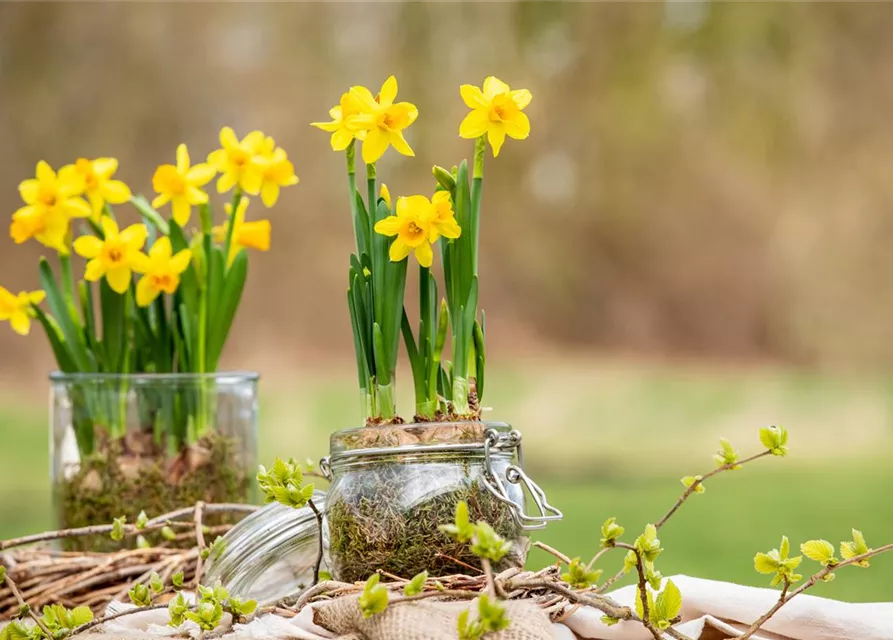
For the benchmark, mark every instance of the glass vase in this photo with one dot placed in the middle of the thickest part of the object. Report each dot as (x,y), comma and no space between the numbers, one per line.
(393,486)
(125,443)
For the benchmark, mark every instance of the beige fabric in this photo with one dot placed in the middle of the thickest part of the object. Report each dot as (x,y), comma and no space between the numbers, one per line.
(424,621)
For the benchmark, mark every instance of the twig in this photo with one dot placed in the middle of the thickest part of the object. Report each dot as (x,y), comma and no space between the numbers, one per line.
(457,561)
(200,540)
(319,530)
(461,594)
(22,604)
(555,552)
(642,590)
(597,556)
(112,616)
(488,572)
(129,529)
(694,485)
(786,597)
(604,604)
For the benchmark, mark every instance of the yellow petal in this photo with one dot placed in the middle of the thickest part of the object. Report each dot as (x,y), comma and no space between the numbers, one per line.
(386,194)
(36,297)
(140,262)
(182,158)
(473,97)
(364,98)
(388,92)
(374,146)
(160,200)
(424,254)
(219,159)
(194,195)
(180,262)
(390,226)
(399,250)
(228,139)
(254,141)
(20,323)
(399,143)
(496,136)
(116,192)
(493,86)
(227,181)
(255,235)
(94,271)
(326,126)
(270,193)
(77,208)
(181,210)
(161,250)
(29,190)
(105,167)
(109,228)
(145,292)
(44,172)
(521,97)
(135,236)
(474,125)
(449,228)
(119,279)
(97,204)
(251,182)
(88,246)
(341,138)
(200,174)
(518,127)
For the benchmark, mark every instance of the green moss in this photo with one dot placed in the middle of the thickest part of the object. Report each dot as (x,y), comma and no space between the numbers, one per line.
(114,482)
(369,530)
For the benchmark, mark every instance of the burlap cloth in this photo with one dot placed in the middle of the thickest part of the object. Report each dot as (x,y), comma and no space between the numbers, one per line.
(424,621)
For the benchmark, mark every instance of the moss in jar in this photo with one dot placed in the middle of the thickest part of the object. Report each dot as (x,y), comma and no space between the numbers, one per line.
(133,474)
(368,531)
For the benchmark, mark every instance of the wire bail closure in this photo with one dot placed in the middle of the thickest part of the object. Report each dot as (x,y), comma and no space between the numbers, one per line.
(515,475)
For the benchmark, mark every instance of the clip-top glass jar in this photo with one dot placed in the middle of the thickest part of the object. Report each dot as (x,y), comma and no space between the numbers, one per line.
(393,486)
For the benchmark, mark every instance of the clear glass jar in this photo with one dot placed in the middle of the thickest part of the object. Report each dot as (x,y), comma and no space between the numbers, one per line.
(393,486)
(155,442)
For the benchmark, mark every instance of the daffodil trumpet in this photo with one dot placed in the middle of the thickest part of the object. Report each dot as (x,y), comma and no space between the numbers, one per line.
(167,294)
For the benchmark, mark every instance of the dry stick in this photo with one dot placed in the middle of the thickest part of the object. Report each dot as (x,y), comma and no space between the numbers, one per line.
(15,590)
(787,597)
(554,552)
(112,616)
(129,529)
(685,496)
(319,528)
(605,605)
(457,561)
(200,539)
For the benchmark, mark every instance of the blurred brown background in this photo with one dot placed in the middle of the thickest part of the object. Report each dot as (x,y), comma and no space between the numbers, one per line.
(701,179)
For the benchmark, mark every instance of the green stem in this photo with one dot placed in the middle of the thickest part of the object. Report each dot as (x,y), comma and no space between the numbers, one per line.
(68,287)
(477,186)
(372,197)
(201,365)
(237,198)
(387,403)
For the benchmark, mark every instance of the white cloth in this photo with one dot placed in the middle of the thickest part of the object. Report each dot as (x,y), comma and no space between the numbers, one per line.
(710,609)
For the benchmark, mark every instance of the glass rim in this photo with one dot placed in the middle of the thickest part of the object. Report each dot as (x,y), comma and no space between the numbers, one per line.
(217,376)
(365,439)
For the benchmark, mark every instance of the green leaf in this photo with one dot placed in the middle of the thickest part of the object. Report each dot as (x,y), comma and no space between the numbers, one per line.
(688,481)
(491,615)
(462,529)
(669,602)
(481,359)
(415,586)
(150,214)
(726,455)
(168,534)
(155,583)
(14,631)
(579,576)
(217,547)
(486,543)
(610,532)
(775,439)
(113,307)
(648,544)
(177,609)
(72,334)
(819,551)
(784,549)
(117,533)
(2,573)
(765,563)
(856,547)
(177,579)
(139,595)
(142,520)
(227,305)
(374,598)
(608,621)
(207,615)
(63,354)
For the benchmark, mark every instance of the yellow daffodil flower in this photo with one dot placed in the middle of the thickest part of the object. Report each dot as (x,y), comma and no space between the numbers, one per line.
(276,171)
(443,220)
(51,200)
(180,185)
(18,310)
(246,235)
(496,111)
(115,256)
(387,122)
(348,122)
(98,184)
(414,230)
(235,161)
(386,195)
(161,271)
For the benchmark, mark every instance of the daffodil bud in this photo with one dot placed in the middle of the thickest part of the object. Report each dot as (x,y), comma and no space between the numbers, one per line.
(444,178)
(386,195)
(198,256)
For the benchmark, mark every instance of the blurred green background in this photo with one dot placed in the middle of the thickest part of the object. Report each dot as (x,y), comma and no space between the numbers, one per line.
(693,243)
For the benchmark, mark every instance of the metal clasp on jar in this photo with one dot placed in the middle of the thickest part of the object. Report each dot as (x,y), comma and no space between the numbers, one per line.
(515,475)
